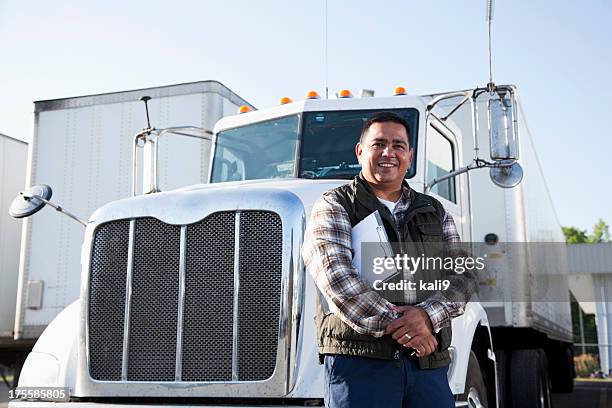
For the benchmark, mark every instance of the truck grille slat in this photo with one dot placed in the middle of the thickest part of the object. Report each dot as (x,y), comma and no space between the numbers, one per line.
(209,283)
(107,302)
(260,288)
(208,305)
(154,307)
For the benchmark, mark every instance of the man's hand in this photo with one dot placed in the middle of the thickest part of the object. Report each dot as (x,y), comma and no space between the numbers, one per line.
(413,329)
(423,345)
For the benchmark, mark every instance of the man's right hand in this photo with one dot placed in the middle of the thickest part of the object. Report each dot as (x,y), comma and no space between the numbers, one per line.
(424,345)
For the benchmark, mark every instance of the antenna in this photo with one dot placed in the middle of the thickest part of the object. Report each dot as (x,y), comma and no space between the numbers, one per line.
(146,99)
(490,85)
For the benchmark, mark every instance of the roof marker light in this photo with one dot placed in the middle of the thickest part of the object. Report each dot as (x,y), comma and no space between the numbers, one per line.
(285,100)
(312,95)
(400,90)
(345,93)
(244,109)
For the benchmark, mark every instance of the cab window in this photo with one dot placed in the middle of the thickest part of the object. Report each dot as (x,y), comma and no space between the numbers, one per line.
(440,162)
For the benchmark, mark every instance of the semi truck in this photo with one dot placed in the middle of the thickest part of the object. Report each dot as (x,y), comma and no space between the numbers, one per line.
(82,146)
(198,295)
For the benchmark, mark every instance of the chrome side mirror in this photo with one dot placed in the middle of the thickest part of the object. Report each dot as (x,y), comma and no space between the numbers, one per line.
(506,174)
(30,201)
(503,125)
(33,199)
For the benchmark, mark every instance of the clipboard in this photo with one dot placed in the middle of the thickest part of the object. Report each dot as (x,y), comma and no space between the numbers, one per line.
(371,231)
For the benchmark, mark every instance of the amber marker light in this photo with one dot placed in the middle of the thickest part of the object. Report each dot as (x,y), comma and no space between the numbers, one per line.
(285,100)
(244,109)
(400,90)
(345,93)
(312,95)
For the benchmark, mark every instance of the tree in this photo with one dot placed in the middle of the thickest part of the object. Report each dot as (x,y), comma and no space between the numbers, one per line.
(601,233)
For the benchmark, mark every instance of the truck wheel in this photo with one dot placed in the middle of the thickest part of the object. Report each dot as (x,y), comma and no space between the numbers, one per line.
(475,390)
(530,384)
(562,373)
(501,363)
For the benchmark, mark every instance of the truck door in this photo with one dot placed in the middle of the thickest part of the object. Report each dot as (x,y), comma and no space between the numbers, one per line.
(442,157)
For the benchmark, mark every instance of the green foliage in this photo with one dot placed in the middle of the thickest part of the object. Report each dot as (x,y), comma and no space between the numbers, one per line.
(575,236)
(601,233)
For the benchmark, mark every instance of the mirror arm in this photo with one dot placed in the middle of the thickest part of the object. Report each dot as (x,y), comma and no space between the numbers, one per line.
(456,108)
(180,131)
(475,164)
(142,135)
(196,132)
(452,174)
(57,207)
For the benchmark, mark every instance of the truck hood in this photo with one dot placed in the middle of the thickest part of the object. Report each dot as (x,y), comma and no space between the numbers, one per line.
(190,204)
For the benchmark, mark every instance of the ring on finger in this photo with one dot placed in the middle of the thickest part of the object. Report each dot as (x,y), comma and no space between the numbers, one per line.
(409,337)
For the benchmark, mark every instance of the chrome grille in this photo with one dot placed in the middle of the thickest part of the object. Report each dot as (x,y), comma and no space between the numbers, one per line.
(207,349)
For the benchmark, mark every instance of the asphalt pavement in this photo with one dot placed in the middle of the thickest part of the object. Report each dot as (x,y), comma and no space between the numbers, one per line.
(3,394)
(587,394)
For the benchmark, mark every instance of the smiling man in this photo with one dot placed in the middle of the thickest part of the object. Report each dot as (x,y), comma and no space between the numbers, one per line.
(376,353)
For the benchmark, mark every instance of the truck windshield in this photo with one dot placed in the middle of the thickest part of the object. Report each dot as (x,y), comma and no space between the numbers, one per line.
(262,150)
(267,150)
(329,138)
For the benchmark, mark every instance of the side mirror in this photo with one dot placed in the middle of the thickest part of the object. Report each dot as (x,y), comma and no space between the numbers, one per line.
(503,126)
(506,174)
(30,201)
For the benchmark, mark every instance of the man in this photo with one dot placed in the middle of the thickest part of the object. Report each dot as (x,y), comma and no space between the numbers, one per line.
(379,354)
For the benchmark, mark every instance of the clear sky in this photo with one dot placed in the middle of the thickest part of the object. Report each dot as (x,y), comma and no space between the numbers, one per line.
(559,54)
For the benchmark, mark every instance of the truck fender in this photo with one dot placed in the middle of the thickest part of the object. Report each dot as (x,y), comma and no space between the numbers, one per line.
(464,328)
(53,360)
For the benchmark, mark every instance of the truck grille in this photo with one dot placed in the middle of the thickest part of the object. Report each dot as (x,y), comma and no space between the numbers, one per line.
(223,325)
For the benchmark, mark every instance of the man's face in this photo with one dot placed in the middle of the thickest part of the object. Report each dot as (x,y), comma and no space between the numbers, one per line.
(384,155)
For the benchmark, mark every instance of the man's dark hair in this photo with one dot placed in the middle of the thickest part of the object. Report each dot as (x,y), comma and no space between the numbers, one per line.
(385,116)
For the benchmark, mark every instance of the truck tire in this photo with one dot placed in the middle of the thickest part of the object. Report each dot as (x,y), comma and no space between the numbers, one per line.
(501,363)
(562,372)
(530,384)
(475,390)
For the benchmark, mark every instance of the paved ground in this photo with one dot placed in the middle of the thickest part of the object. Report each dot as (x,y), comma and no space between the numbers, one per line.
(3,395)
(585,395)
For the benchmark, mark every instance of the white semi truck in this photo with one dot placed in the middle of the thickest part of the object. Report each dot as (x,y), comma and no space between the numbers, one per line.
(199,296)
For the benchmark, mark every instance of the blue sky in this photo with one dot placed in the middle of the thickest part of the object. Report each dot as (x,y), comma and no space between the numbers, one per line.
(557,52)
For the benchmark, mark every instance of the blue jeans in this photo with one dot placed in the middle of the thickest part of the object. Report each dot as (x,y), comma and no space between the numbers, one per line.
(352,382)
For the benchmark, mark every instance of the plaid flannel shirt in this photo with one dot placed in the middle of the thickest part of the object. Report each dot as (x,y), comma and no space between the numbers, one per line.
(327,253)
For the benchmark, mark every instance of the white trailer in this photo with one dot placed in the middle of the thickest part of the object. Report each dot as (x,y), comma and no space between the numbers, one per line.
(199,295)
(13,159)
(83,147)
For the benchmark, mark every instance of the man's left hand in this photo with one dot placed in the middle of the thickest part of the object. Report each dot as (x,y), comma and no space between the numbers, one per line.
(414,321)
